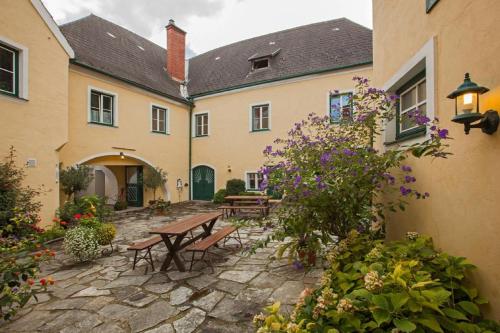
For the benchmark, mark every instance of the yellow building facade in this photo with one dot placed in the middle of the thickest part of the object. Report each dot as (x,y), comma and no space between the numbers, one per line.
(34,109)
(232,149)
(448,39)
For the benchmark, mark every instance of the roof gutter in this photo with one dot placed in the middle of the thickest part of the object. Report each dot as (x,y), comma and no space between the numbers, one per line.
(246,85)
(135,84)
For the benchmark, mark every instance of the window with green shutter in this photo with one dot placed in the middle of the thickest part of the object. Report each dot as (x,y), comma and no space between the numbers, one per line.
(9,76)
(412,98)
(260,117)
(101,108)
(201,124)
(159,120)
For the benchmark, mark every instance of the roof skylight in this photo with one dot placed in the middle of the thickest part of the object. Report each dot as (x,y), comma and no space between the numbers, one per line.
(140,47)
(111,35)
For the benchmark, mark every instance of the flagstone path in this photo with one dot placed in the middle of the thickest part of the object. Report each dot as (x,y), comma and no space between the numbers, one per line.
(107,296)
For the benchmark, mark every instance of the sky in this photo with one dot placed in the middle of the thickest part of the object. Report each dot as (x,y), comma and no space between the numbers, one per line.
(211,23)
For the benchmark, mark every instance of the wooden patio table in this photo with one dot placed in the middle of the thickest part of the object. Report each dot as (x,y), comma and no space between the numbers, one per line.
(260,200)
(178,231)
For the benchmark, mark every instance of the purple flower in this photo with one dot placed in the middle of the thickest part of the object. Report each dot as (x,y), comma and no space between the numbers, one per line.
(443,133)
(404,191)
(349,152)
(268,150)
(406,168)
(297,265)
(426,194)
(433,127)
(297,181)
(409,179)
(325,158)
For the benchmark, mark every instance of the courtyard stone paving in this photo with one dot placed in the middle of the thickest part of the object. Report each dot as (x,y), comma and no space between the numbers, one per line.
(107,296)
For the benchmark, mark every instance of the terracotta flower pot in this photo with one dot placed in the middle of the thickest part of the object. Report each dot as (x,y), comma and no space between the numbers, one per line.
(310,255)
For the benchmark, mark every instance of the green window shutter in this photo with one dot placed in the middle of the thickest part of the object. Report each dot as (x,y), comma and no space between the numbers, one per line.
(429,4)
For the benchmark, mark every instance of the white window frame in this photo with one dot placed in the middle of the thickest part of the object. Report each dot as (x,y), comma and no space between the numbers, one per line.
(22,68)
(193,127)
(247,181)
(89,107)
(422,59)
(167,118)
(414,106)
(250,117)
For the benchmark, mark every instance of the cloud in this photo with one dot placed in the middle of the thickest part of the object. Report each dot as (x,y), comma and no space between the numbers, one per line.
(146,18)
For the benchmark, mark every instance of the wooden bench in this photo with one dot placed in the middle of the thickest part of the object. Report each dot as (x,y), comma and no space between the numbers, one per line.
(145,245)
(228,210)
(213,239)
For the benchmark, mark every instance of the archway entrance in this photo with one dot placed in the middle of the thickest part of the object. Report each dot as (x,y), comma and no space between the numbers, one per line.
(203,183)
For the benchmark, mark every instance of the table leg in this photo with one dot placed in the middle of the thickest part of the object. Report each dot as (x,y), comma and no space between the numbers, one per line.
(173,249)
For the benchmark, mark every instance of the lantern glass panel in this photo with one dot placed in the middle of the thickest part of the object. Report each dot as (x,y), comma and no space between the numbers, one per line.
(467,103)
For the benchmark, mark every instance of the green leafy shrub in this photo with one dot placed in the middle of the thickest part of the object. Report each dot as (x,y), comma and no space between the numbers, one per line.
(403,286)
(105,233)
(95,205)
(219,197)
(120,205)
(75,179)
(17,200)
(87,204)
(235,186)
(160,206)
(53,232)
(19,237)
(81,244)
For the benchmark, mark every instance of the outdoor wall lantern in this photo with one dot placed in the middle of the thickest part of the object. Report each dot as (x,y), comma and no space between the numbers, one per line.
(122,155)
(467,108)
(229,168)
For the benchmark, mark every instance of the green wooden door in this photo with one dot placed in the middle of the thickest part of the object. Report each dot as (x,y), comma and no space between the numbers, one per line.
(203,183)
(134,186)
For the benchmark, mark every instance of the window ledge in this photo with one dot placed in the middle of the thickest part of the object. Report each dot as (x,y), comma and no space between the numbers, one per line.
(261,130)
(91,123)
(13,97)
(200,136)
(161,133)
(409,137)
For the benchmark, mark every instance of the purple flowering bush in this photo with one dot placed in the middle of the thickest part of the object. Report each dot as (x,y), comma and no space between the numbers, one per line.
(333,178)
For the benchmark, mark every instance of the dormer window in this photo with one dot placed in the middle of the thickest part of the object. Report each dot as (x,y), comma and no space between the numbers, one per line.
(262,59)
(260,63)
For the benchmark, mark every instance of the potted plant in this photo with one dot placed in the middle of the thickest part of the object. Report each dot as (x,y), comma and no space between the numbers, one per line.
(154,178)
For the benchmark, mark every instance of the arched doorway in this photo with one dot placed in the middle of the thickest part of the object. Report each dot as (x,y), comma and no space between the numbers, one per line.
(203,183)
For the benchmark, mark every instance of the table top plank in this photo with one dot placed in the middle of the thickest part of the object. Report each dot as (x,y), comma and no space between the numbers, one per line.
(247,197)
(185,225)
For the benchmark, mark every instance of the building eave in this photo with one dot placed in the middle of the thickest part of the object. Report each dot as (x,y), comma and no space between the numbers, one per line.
(52,25)
(135,84)
(288,77)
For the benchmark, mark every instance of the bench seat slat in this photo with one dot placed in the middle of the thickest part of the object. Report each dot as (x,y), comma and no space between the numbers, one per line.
(211,240)
(243,207)
(145,244)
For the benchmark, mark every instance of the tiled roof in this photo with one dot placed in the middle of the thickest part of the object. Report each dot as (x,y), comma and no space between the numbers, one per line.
(104,46)
(311,48)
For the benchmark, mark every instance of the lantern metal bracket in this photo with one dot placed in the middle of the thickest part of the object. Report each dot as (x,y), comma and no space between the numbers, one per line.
(488,123)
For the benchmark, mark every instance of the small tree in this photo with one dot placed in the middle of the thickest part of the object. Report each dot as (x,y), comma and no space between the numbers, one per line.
(75,179)
(154,178)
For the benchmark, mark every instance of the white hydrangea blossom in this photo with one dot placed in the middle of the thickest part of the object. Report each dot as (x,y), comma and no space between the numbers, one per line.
(81,244)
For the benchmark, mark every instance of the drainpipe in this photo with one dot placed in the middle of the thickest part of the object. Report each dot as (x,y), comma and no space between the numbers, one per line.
(191,107)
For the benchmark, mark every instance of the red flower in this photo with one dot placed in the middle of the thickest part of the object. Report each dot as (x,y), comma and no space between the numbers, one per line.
(38,254)
(43,282)
(77,216)
(63,223)
(31,282)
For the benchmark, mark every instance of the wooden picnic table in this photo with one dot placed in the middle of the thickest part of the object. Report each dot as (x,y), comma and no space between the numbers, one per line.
(178,231)
(256,198)
(248,202)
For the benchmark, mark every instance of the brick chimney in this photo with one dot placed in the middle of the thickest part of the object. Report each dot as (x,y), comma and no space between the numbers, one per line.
(176,51)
